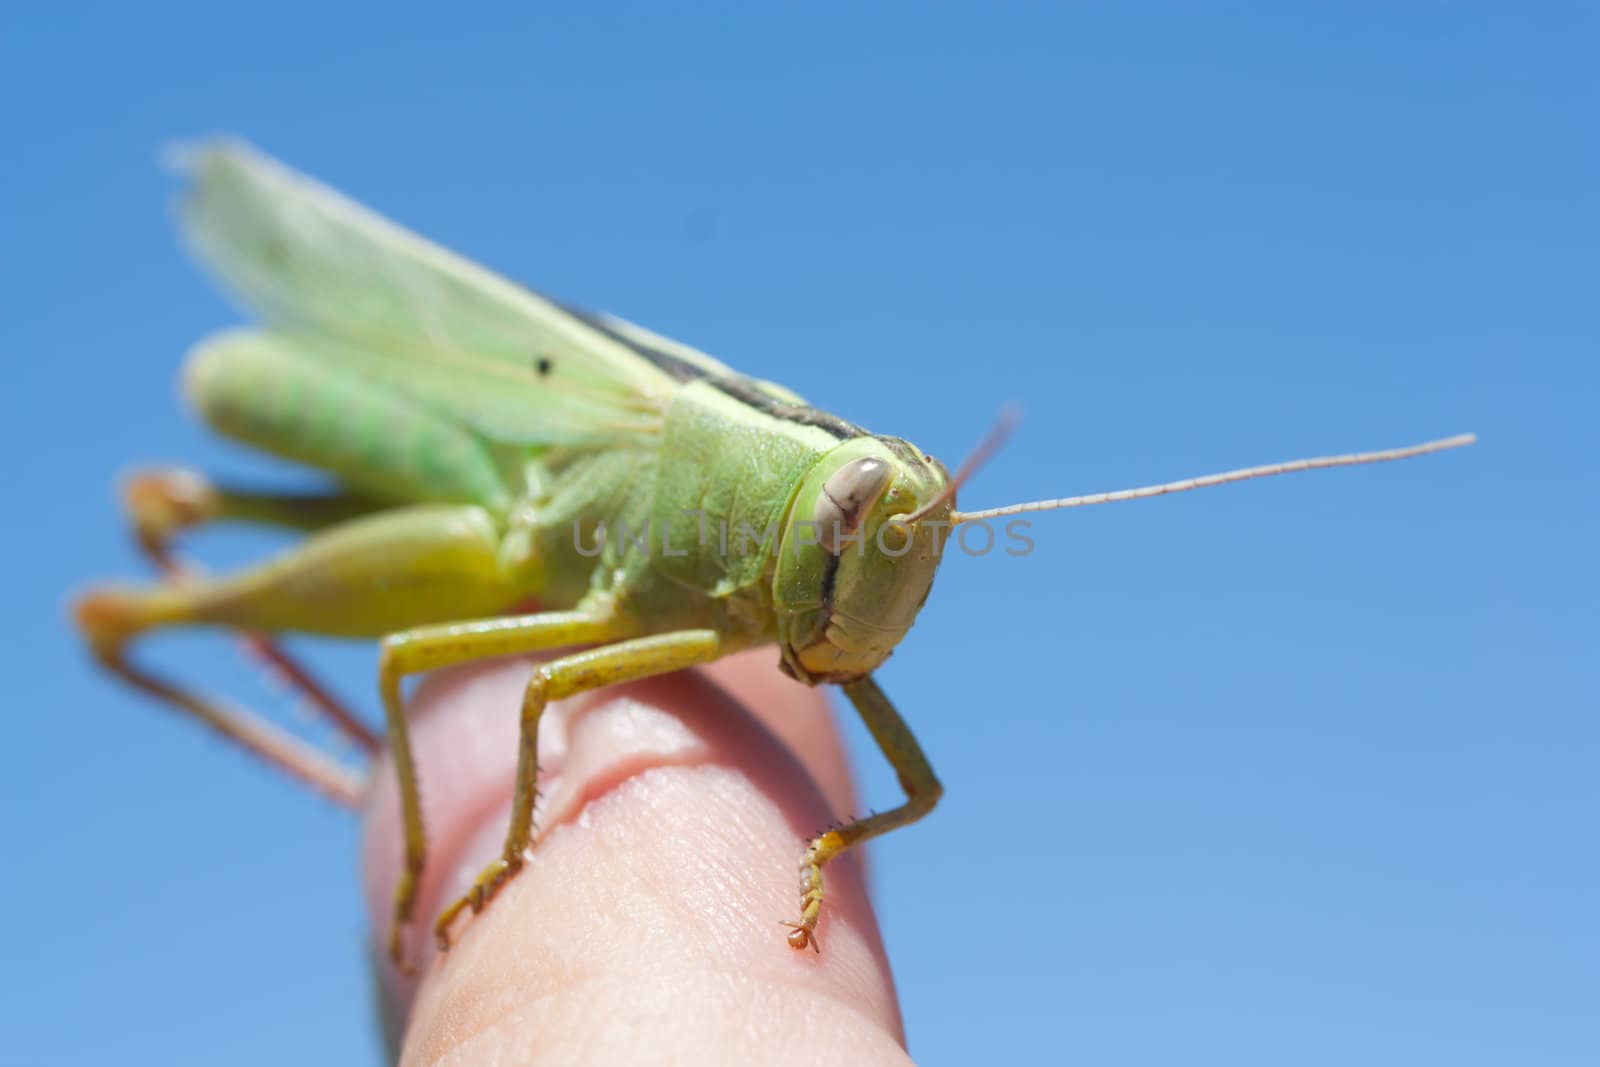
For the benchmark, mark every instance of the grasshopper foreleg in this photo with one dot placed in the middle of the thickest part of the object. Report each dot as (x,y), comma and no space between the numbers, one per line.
(923,790)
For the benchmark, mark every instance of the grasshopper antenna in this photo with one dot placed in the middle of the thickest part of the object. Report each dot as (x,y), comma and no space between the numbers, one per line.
(1004,427)
(1354,459)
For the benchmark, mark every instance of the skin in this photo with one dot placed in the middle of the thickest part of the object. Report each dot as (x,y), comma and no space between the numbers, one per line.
(645,927)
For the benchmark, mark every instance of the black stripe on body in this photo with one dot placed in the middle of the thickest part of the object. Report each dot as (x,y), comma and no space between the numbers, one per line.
(830,578)
(737,386)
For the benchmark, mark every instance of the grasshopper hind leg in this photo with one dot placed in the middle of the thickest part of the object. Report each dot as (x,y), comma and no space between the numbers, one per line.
(382,572)
(99,615)
(163,502)
(109,617)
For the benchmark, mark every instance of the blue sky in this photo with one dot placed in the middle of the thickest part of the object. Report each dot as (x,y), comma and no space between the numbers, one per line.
(1301,771)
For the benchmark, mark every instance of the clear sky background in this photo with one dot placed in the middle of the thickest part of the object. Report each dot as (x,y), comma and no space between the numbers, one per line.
(1297,772)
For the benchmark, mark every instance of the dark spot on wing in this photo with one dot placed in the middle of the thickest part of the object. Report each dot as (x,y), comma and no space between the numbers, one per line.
(543,366)
(275,253)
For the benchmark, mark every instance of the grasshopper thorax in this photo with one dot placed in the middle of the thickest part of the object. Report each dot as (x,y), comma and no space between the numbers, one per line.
(851,573)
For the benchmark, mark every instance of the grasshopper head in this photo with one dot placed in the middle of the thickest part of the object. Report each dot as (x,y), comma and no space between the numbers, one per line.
(851,572)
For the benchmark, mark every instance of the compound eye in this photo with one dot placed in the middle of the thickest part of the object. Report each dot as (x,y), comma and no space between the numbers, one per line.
(847,496)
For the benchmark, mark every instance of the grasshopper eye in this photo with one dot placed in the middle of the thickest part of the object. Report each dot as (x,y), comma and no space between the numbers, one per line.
(846,497)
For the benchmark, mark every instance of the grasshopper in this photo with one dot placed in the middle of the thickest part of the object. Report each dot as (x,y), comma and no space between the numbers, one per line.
(494,449)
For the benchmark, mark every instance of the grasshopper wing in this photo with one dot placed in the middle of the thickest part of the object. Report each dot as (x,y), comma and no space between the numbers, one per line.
(413,316)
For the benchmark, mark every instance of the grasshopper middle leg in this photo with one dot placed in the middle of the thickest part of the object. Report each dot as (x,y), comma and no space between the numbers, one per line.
(580,672)
(429,648)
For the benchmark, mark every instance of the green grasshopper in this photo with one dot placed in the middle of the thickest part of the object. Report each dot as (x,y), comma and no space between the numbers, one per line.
(496,449)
